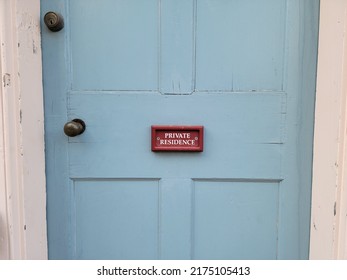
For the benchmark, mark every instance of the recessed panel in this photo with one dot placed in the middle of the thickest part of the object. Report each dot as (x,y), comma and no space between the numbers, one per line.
(235,220)
(240,45)
(116,219)
(114,44)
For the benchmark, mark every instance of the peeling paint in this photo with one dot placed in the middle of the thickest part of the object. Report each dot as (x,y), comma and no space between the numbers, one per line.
(34,47)
(314,226)
(335,208)
(7,80)
(31,28)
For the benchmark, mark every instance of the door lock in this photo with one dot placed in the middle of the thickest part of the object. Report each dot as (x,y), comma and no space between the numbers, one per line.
(54,21)
(74,127)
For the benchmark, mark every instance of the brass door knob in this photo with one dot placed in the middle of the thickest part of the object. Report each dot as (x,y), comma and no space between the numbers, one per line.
(74,127)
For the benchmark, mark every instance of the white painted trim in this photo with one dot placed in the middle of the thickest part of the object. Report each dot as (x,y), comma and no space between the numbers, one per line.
(340,244)
(22,184)
(4,231)
(329,203)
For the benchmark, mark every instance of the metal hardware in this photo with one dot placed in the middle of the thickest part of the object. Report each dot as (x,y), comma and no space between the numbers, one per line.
(74,127)
(54,21)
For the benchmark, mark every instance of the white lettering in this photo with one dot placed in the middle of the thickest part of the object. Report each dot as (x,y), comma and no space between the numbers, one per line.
(179,142)
(183,135)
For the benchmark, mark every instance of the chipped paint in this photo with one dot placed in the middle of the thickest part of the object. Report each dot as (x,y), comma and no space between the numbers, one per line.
(335,208)
(31,30)
(7,80)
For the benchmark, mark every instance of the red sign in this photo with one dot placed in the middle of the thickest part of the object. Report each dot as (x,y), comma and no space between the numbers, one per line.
(177,138)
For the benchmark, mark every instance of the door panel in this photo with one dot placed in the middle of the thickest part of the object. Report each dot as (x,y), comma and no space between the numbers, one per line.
(124,56)
(240,45)
(245,70)
(130,206)
(246,212)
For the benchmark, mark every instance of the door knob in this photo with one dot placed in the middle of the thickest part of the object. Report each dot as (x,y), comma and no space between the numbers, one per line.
(54,21)
(74,127)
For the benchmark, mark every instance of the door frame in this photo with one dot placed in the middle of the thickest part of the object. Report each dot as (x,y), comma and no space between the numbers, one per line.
(22,171)
(328,238)
(22,161)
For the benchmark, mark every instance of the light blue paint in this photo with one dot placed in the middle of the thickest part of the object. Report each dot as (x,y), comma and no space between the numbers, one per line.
(127,31)
(177,39)
(176,218)
(245,70)
(240,45)
(254,136)
(118,219)
(243,226)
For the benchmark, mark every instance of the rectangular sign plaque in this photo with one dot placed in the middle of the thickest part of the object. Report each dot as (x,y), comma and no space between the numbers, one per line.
(177,138)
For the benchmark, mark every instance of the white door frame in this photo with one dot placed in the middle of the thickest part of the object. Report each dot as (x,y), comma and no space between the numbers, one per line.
(329,193)
(22,169)
(22,173)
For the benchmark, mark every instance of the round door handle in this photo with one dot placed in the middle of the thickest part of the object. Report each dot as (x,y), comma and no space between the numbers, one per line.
(74,127)
(54,21)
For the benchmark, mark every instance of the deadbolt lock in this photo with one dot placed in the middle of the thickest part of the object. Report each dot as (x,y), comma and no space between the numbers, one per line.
(54,21)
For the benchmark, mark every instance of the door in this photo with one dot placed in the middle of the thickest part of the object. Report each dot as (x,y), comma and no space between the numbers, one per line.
(244,70)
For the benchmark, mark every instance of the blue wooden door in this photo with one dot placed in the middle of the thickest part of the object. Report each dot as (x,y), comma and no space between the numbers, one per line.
(245,70)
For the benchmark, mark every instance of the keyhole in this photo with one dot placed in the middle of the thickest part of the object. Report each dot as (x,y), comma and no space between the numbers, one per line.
(54,21)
